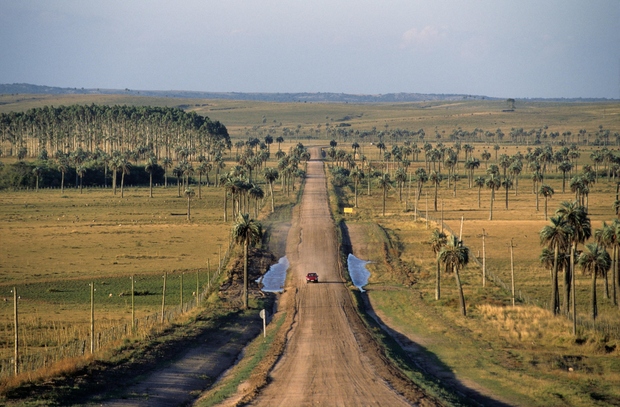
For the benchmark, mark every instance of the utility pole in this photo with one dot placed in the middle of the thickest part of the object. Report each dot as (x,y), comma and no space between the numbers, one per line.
(484,261)
(512,271)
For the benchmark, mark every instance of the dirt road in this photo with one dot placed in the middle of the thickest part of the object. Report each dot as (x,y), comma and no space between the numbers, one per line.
(329,359)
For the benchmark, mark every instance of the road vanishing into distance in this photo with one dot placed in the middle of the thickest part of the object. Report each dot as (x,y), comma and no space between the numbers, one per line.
(329,359)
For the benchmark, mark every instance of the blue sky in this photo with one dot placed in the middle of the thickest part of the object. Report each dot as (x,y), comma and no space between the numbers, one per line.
(518,48)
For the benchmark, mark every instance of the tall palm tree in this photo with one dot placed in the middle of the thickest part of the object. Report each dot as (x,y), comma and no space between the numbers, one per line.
(555,236)
(507,184)
(565,167)
(493,183)
(166,163)
(479,182)
(178,173)
(201,169)
(124,166)
(189,194)
(546,191)
(151,164)
(437,241)
(577,217)
(536,178)
(37,171)
(63,166)
(246,232)
(385,184)
(271,175)
(256,193)
(400,177)
(454,256)
(81,170)
(435,178)
(357,175)
(605,237)
(595,261)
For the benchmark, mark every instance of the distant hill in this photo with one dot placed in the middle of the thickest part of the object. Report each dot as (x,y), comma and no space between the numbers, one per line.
(25,88)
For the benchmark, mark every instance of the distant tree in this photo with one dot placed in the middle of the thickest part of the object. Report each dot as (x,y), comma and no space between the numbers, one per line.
(37,172)
(594,261)
(151,164)
(437,241)
(547,192)
(493,183)
(454,256)
(385,184)
(556,236)
(479,182)
(246,232)
(189,194)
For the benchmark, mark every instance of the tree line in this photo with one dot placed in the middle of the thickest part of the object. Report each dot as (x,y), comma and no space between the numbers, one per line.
(164,131)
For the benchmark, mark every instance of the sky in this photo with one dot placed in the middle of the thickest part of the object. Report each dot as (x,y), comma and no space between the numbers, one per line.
(496,48)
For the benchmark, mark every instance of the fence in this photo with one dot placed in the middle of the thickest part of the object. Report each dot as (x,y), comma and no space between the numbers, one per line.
(148,326)
(603,327)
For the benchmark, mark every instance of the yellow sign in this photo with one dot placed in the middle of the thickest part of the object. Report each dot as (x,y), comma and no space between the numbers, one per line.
(348,210)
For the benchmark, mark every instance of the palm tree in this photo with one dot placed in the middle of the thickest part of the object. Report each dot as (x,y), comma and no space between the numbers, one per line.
(401,177)
(479,182)
(201,169)
(81,170)
(556,236)
(385,184)
(437,241)
(536,178)
(124,166)
(357,176)
(546,191)
(246,232)
(166,163)
(271,175)
(256,193)
(493,183)
(149,167)
(435,178)
(565,167)
(605,237)
(178,173)
(63,166)
(507,184)
(577,217)
(454,257)
(189,194)
(595,261)
(37,171)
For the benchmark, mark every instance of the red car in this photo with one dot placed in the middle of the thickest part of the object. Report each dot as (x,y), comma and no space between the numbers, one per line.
(312,278)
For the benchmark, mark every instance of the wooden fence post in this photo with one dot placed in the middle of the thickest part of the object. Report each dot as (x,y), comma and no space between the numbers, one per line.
(16,318)
(163,298)
(92,317)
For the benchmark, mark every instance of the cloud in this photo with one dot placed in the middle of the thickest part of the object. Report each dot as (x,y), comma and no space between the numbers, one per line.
(426,37)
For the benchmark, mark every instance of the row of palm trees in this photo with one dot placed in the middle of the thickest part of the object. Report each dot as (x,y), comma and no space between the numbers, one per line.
(505,173)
